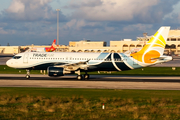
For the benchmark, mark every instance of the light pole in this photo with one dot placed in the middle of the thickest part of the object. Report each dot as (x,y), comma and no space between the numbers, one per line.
(57,26)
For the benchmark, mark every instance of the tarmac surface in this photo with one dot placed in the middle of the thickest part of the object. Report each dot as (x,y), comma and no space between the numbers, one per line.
(3,60)
(95,82)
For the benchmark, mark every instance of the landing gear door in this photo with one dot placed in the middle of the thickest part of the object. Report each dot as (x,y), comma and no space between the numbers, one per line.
(25,59)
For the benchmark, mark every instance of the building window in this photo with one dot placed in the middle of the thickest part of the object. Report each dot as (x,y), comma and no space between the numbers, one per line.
(131,46)
(125,45)
(167,46)
(173,46)
(139,46)
(173,39)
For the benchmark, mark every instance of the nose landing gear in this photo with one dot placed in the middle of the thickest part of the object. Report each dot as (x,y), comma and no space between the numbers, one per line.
(28,74)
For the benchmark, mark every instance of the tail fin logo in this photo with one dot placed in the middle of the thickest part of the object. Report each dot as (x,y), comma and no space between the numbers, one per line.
(52,48)
(54,43)
(154,48)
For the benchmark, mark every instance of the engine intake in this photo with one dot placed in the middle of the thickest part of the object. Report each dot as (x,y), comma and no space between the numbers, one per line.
(55,71)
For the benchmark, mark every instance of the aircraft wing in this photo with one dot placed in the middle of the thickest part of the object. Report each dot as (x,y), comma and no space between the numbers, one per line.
(74,66)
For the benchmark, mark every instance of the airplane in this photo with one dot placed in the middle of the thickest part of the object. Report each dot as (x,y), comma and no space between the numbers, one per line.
(46,49)
(62,63)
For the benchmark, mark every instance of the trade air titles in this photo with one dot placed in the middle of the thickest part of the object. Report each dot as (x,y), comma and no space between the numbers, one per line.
(42,55)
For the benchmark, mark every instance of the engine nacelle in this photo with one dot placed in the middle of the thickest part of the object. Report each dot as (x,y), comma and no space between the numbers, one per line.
(55,71)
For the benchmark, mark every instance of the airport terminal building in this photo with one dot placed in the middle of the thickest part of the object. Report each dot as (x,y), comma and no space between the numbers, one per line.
(172,47)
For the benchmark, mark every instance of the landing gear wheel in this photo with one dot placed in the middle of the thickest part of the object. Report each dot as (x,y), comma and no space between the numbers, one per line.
(27,76)
(79,77)
(86,76)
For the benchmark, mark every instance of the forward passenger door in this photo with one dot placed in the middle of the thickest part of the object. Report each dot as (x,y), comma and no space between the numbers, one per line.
(25,58)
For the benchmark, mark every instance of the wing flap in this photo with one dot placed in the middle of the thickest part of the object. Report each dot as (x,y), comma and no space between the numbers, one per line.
(75,66)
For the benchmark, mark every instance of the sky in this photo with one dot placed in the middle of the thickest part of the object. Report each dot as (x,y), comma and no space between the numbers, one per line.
(26,22)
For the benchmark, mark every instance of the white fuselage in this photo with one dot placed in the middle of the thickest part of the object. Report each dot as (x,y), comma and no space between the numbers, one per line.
(95,61)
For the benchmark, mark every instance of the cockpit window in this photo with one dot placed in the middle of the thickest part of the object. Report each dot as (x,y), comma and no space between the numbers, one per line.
(17,57)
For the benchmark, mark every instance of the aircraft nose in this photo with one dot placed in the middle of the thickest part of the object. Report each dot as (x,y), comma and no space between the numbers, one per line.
(9,63)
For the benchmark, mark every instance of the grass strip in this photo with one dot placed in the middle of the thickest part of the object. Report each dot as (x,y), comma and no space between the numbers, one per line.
(56,103)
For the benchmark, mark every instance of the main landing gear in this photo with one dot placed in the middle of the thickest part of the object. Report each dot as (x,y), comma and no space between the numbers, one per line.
(28,74)
(86,76)
(80,77)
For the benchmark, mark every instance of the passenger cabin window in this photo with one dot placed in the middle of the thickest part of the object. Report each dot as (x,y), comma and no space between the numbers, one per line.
(17,57)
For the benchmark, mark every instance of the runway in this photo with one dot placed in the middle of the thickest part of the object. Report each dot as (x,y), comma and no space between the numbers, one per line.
(95,82)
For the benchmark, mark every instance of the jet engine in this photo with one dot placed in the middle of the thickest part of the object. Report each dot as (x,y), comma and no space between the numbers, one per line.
(55,71)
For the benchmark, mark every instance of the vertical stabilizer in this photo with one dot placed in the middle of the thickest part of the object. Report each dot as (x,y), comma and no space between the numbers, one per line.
(54,43)
(154,48)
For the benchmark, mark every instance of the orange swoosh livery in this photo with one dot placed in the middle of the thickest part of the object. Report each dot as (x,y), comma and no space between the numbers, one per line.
(154,48)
